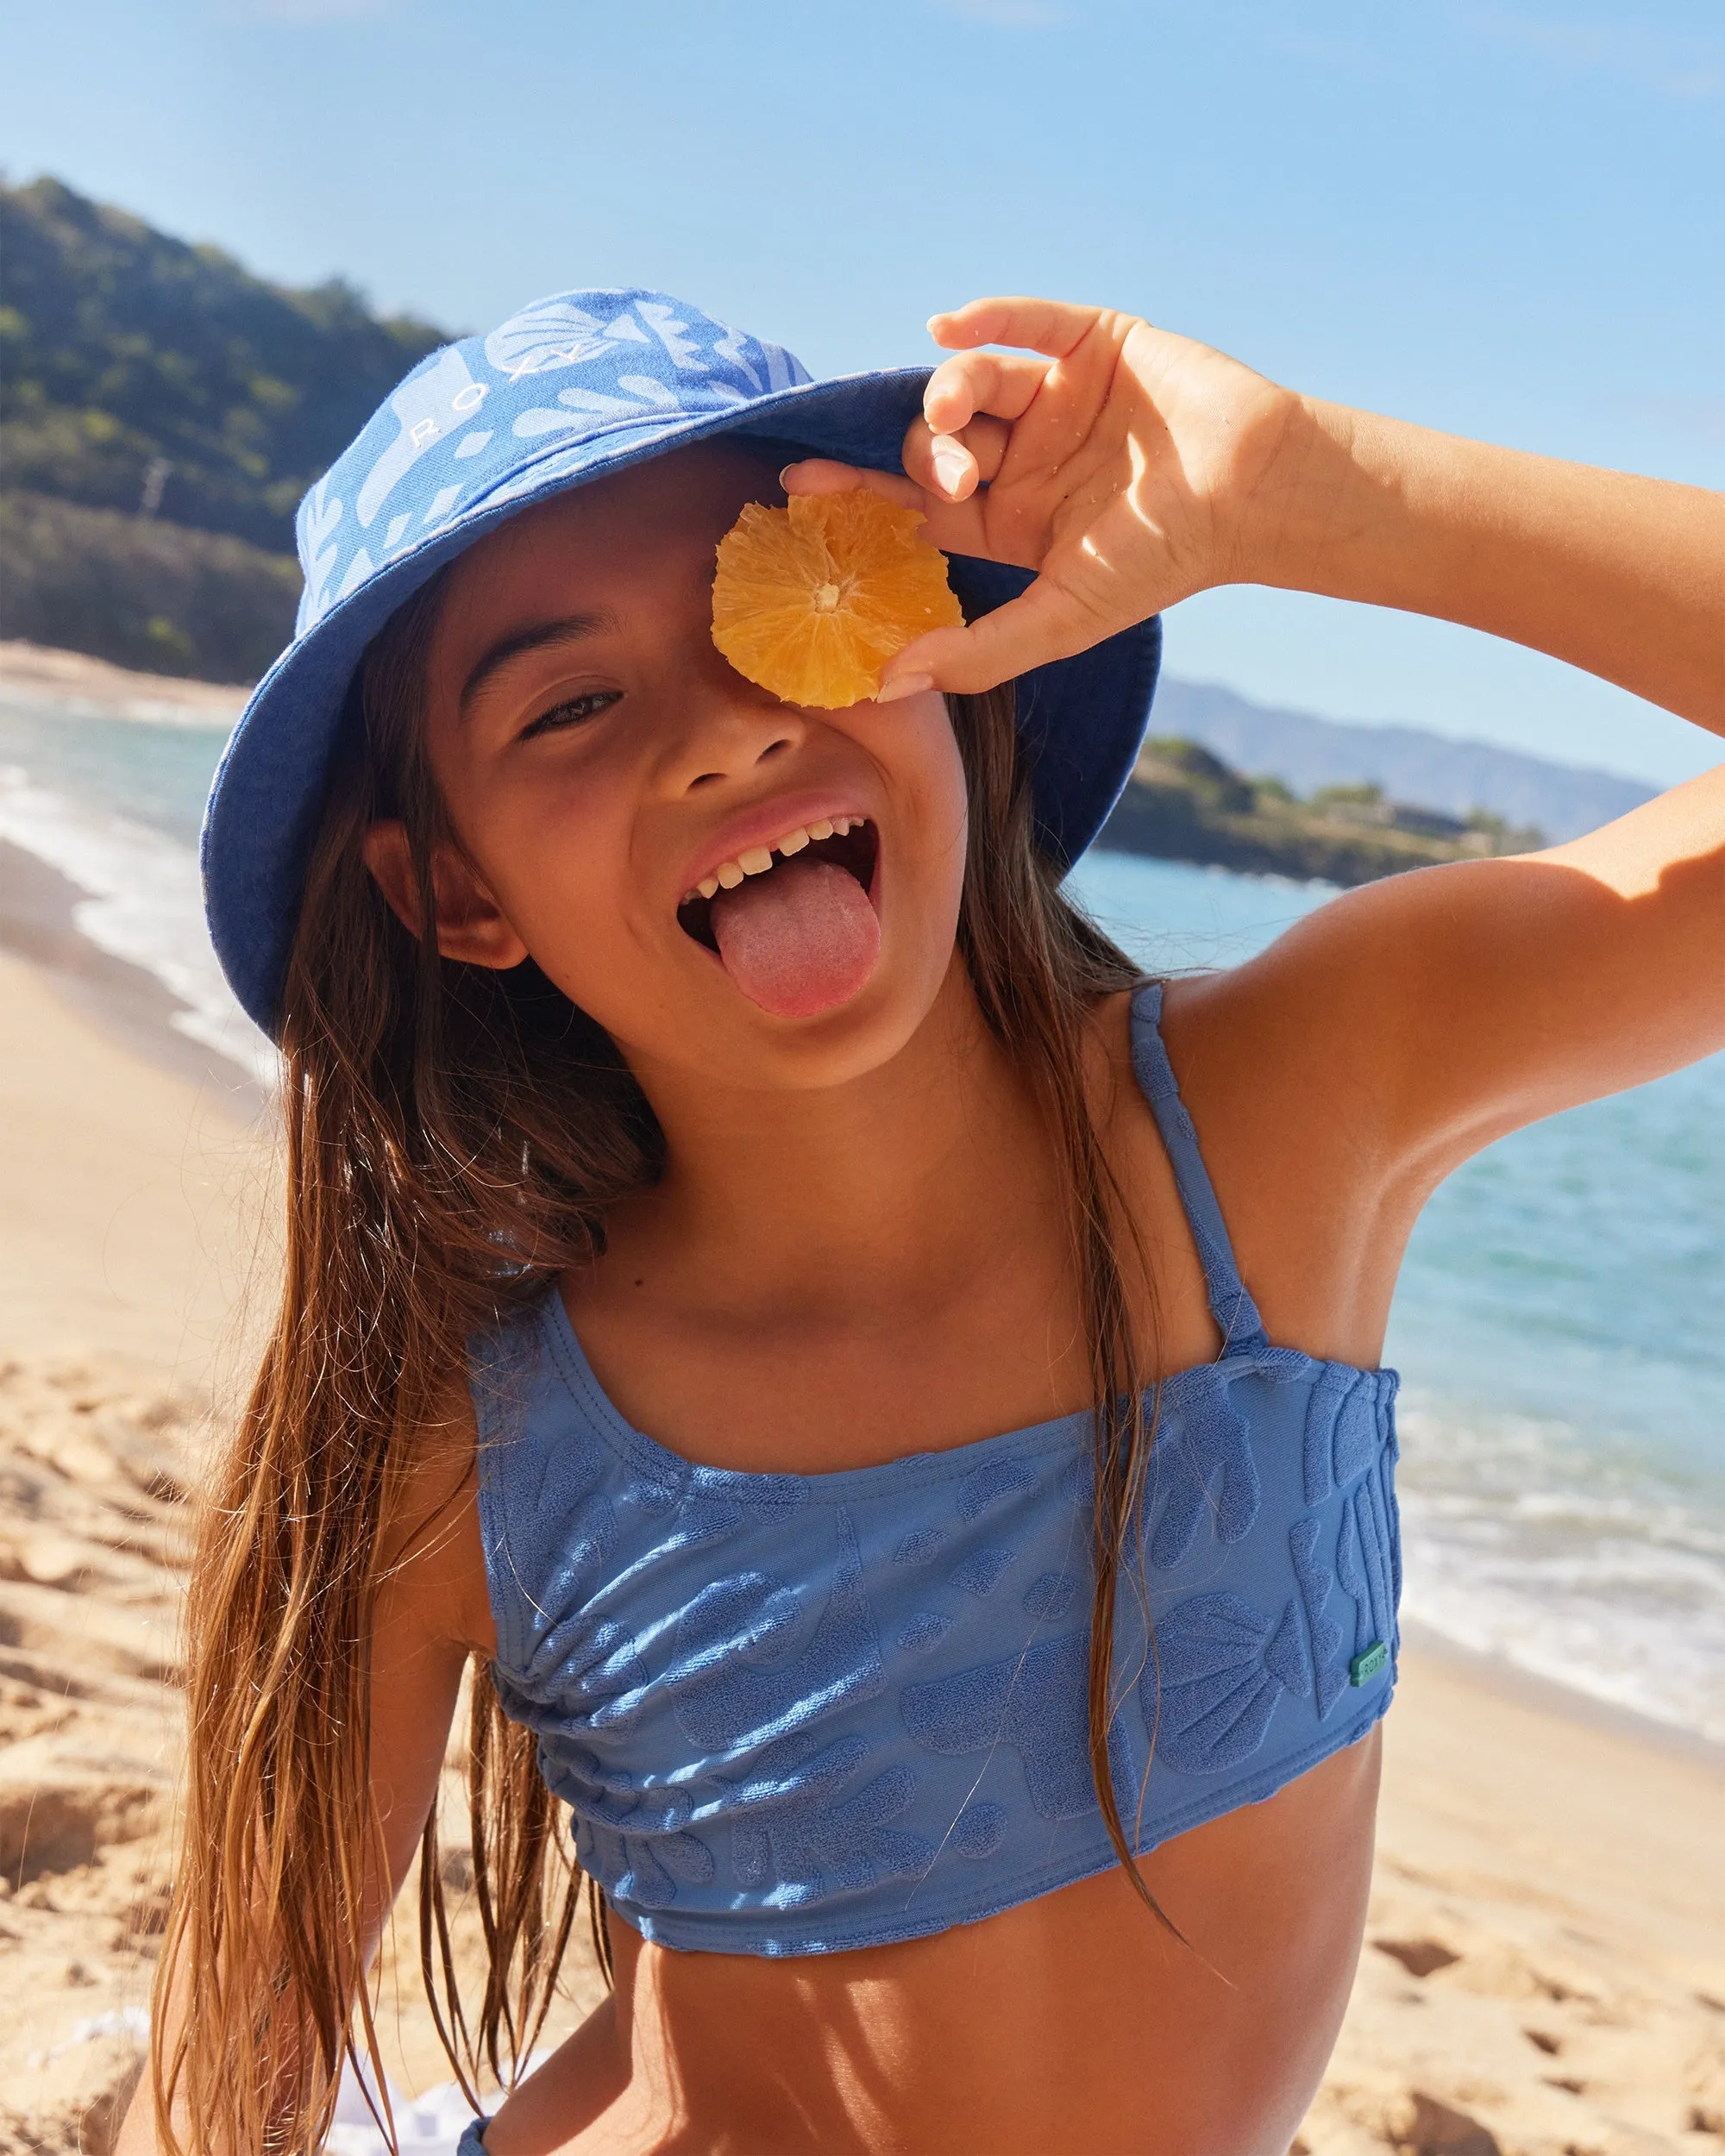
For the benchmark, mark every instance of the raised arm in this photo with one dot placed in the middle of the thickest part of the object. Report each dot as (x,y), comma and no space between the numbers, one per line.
(1480,997)
(1620,575)
(1132,469)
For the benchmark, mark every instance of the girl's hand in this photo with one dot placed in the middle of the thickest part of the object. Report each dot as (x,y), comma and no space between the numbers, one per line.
(1120,462)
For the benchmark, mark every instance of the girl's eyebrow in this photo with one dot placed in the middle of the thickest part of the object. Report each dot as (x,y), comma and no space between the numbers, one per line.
(567,630)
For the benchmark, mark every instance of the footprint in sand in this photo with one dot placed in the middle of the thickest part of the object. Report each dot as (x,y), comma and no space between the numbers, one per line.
(1438,2129)
(1418,1956)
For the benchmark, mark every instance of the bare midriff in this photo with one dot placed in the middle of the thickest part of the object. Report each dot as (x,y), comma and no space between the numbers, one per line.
(1074,2024)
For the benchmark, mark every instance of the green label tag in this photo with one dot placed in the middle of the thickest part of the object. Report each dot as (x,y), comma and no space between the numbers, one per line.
(1364,1667)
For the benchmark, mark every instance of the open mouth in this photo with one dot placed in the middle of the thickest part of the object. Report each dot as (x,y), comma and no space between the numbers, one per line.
(850,843)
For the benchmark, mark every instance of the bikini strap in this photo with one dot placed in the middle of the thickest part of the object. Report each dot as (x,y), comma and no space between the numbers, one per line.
(1231,1305)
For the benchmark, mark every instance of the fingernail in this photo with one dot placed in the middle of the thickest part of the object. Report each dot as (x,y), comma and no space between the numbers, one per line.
(786,472)
(905,685)
(950,470)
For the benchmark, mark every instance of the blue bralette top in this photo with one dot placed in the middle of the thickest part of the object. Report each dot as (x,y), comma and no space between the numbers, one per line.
(795,1714)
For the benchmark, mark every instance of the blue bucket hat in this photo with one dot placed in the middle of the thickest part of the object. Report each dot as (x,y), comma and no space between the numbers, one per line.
(577,386)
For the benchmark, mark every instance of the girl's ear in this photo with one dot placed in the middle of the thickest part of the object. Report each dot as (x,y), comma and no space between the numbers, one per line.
(470,926)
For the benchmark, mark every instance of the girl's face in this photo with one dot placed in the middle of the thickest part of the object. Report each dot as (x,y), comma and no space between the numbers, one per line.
(599,760)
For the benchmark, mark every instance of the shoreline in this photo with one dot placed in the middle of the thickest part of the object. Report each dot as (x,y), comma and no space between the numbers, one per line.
(93,688)
(38,925)
(1520,1688)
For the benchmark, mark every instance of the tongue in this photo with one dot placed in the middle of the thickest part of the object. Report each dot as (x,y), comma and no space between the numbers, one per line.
(798,939)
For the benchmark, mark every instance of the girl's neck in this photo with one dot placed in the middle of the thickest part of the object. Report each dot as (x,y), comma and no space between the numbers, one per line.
(863,1194)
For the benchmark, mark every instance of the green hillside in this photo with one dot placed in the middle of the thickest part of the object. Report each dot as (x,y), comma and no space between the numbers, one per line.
(161,411)
(1183,803)
(119,347)
(141,593)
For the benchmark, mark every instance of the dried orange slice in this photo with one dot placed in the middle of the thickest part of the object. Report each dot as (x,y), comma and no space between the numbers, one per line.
(810,601)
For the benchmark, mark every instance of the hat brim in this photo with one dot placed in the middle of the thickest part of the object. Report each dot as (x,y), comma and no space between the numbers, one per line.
(1081,719)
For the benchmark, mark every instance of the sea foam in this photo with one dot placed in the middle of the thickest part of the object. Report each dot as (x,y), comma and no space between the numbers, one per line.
(143,904)
(1529,1541)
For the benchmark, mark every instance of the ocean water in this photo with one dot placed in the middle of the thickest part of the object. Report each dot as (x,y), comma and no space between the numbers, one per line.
(114,805)
(1560,1325)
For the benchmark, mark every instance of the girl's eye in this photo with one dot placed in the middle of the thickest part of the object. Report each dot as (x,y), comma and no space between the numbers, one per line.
(574,712)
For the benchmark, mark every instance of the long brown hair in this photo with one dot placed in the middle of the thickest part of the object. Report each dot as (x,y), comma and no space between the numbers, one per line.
(454,1137)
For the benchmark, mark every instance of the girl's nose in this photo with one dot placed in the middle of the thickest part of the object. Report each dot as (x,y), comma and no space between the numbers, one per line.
(731,728)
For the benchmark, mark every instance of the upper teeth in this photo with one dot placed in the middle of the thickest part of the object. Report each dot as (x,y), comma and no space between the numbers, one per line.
(755,861)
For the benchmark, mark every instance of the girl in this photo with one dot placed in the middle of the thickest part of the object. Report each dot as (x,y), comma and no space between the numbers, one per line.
(888,1400)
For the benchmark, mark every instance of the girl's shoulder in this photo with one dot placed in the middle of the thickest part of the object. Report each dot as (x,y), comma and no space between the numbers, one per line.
(1288,1125)
(1297,1062)
(1256,1046)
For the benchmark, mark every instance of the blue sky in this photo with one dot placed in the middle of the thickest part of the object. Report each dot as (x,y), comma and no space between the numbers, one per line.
(1506,220)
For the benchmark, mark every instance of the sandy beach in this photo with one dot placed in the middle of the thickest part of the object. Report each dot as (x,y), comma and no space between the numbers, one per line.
(1545,1967)
(86,688)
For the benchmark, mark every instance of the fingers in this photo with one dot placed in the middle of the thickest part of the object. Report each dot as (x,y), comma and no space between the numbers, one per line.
(1002,383)
(1042,624)
(1050,326)
(956,527)
(952,465)
(823,475)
